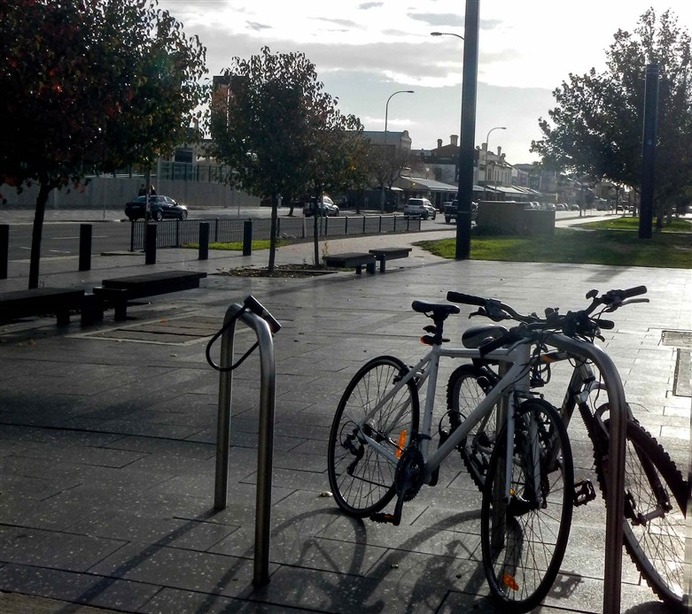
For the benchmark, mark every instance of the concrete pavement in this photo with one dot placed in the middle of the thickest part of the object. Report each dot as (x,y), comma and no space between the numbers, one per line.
(109,432)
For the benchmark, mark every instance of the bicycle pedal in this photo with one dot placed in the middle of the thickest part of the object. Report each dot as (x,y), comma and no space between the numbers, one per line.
(384,518)
(583,493)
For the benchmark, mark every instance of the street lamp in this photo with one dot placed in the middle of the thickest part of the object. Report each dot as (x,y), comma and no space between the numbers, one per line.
(386,116)
(487,150)
(446,34)
(463,238)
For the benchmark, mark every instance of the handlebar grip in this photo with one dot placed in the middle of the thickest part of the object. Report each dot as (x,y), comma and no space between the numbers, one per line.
(605,324)
(636,291)
(466,299)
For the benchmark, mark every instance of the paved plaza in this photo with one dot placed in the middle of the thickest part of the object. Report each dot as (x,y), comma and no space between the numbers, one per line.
(108,439)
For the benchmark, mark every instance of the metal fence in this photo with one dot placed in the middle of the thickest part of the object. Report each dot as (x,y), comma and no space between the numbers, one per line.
(177,233)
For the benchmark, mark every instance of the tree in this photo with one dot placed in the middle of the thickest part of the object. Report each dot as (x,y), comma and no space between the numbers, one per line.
(596,127)
(90,86)
(274,125)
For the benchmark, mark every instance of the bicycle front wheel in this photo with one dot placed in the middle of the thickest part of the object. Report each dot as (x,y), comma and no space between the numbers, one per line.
(361,476)
(524,535)
(655,510)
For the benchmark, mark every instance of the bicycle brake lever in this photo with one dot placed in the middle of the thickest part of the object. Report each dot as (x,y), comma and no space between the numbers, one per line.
(480,312)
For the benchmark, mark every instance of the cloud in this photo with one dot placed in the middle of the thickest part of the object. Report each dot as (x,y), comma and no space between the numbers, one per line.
(370,5)
(439,19)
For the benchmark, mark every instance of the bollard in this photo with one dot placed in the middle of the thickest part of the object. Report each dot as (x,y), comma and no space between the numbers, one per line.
(204,241)
(85,247)
(4,249)
(247,238)
(150,245)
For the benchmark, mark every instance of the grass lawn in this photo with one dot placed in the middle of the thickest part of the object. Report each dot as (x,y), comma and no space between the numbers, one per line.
(613,242)
(236,246)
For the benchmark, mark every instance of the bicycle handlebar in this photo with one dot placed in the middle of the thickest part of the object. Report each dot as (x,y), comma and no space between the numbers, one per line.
(573,323)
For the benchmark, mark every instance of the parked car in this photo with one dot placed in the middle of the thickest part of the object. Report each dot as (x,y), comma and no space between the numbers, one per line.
(160,207)
(451,211)
(420,207)
(326,208)
(574,207)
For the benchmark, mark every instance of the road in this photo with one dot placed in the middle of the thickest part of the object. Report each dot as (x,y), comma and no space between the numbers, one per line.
(111,231)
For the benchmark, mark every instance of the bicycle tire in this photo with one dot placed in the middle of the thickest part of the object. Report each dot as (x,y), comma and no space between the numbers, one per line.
(361,479)
(466,388)
(657,547)
(524,540)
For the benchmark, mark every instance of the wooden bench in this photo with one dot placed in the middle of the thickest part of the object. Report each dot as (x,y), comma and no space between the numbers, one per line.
(39,302)
(119,291)
(384,254)
(351,259)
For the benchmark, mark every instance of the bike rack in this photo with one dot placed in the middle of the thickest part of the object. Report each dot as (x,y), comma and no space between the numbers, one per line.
(263,327)
(615,502)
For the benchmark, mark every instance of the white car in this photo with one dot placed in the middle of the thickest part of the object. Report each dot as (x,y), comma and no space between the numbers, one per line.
(326,208)
(420,207)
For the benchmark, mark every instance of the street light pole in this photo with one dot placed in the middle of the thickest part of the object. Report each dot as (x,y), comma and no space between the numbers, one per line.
(384,155)
(487,151)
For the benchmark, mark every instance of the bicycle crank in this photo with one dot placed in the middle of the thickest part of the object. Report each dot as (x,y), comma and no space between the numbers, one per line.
(408,480)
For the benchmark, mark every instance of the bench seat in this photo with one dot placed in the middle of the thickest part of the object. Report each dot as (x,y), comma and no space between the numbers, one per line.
(41,301)
(351,259)
(383,254)
(118,291)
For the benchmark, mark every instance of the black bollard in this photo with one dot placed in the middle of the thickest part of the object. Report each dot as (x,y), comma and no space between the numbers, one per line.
(247,238)
(4,249)
(85,247)
(204,241)
(150,245)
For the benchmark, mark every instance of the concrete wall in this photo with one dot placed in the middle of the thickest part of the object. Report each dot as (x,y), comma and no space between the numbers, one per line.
(513,218)
(113,192)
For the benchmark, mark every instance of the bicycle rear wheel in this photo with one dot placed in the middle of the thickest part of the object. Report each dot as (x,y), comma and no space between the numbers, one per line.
(467,387)
(655,509)
(524,538)
(362,478)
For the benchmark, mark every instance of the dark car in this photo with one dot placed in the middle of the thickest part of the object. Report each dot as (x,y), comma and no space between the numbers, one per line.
(451,211)
(160,207)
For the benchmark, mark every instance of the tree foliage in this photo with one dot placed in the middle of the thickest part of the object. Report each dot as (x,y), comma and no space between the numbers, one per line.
(281,133)
(596,127)
(90,85)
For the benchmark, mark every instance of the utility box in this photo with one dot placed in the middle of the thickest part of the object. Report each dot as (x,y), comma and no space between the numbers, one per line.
(513,218)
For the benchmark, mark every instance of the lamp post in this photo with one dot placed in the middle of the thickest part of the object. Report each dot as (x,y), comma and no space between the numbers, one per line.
(487,151)
(386,116)
(459,161)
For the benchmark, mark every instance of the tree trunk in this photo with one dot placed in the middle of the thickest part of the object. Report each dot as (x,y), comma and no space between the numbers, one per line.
(272,233)
(37,232)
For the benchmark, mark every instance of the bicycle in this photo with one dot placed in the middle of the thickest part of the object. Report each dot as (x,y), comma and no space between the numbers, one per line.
(377,452)
(655,491)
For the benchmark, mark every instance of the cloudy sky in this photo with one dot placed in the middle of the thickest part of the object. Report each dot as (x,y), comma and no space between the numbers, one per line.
(366,50)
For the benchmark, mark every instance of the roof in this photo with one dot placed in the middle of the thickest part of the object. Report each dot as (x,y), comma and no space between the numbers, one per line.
(429,184)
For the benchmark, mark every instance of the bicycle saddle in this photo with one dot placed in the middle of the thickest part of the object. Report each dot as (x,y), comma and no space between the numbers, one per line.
(438,310)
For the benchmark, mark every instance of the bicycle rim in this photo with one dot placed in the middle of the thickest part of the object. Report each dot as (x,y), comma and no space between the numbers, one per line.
(361,479)
(524,540)
(466,388)
(655,515)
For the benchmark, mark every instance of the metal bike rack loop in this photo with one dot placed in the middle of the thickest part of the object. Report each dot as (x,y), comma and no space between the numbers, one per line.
(266,430)
(615,501)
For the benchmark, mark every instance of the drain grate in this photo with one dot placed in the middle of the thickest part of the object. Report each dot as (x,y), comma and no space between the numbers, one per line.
(164,331)
(677,338)
(682,340)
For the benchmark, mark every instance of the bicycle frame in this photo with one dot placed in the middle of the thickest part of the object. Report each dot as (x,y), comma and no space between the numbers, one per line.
(515,381)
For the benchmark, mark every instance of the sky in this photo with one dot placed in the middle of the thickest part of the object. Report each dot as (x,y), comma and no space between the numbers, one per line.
(364,51)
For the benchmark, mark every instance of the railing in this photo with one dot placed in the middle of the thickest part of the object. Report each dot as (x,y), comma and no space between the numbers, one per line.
(177,233)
